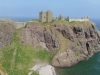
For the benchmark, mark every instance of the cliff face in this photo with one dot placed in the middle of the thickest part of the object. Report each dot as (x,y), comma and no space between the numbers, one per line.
(6,33)
(72,42)
(84,41)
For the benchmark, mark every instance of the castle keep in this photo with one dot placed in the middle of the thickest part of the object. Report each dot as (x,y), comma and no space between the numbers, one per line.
(45,16)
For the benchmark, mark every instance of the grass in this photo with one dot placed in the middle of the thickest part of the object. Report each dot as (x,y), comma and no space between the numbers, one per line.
(53,21)
(34,73)
(64,43)
(18,58)
(77,23)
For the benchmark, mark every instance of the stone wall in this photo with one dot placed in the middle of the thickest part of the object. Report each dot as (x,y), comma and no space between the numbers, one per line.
(18,25)
(81,20)
(42,17)
(48,16)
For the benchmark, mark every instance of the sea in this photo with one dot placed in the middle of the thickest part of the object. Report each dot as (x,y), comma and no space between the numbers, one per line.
(89,67)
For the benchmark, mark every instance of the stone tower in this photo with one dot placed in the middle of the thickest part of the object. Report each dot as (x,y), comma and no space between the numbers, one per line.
(42,16)
(45,16)
(48,16)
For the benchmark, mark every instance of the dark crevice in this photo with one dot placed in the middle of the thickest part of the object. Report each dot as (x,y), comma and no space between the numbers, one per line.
(87,46)
(86,35)
(74,30)
(93,27)
(65,35)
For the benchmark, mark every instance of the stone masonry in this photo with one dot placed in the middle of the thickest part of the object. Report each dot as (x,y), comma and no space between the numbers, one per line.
(45,16)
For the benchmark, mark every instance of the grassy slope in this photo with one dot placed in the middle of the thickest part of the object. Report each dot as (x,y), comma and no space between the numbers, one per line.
(17,58)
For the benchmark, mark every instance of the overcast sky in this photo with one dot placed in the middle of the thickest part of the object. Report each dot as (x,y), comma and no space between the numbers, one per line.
(31,8)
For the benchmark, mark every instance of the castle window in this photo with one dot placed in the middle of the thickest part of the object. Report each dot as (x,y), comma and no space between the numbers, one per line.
(44,16)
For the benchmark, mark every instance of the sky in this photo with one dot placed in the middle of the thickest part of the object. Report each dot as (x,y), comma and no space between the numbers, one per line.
(31,8)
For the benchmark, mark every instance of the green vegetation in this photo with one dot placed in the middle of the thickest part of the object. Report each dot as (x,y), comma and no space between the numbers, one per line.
(17,58)
(63,21)
(45,23)
(64,42)
(34,73)
(53,21)
(77,23)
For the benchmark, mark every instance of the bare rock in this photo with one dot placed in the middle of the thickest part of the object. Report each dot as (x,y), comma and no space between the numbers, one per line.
(6,33)
(43,69)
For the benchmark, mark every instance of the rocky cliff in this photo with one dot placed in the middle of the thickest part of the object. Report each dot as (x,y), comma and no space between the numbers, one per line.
(71,42)
(67,43)
(6,33)
(84,42)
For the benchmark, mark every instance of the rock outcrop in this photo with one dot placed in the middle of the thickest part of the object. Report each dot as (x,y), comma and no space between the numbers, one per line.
(39,35)
(6,33)
(72,42)
(84,42)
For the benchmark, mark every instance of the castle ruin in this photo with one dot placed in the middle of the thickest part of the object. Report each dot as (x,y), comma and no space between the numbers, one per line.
(45,16)
(61,17)
(85,18)
(79,19)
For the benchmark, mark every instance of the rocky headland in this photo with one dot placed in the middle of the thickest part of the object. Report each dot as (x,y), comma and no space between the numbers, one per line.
(72,42)
(68,42)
